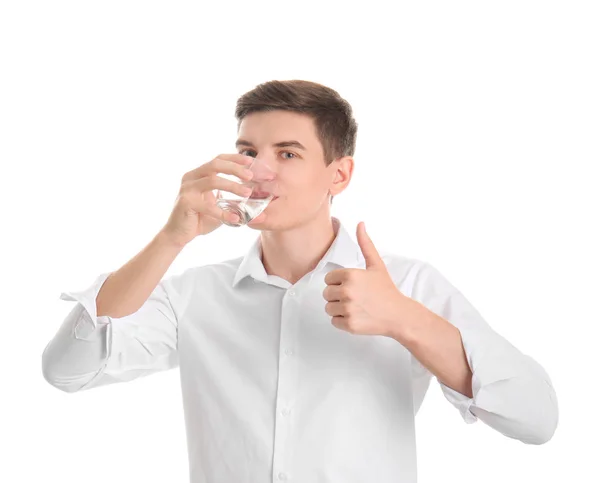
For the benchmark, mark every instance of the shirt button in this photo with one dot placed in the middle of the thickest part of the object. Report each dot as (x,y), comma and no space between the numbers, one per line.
(288,352)
(285,412)
(292,293)
(282,476)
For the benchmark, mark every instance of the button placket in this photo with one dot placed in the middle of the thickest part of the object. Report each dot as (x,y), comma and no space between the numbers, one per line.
(287,384)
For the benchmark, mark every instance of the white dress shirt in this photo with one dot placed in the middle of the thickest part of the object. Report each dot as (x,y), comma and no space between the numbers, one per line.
(272,391)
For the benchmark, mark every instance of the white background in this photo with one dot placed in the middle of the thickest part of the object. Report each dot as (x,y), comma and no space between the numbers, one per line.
(478,151)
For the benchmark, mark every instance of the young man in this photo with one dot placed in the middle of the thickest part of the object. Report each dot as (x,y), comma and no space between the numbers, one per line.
(306,359)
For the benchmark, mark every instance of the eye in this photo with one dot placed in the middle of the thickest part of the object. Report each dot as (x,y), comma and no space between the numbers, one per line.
(250,151)
(287,152)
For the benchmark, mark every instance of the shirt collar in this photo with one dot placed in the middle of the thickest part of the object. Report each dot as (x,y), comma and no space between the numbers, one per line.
(344,251)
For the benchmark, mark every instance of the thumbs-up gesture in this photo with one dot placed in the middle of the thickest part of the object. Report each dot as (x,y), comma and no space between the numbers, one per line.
(364,301)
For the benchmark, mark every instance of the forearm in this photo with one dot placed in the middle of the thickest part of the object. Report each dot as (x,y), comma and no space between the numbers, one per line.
(126,290)
(435,343)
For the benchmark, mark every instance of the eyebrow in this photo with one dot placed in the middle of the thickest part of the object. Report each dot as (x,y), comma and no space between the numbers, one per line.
(282,144)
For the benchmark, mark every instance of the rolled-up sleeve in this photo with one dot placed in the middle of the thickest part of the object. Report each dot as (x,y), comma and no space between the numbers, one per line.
(512,392)
(90,351)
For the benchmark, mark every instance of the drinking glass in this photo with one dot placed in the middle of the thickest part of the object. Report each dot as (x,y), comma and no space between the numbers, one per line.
(249,207)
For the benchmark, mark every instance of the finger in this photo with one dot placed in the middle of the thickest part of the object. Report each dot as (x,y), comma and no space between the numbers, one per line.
(372,257)
(336,309)
(237,158)
(195,201)
(242,171)
(218,183)
(335,277)
(259,219)
(235,164)
(222,215)
(333,293)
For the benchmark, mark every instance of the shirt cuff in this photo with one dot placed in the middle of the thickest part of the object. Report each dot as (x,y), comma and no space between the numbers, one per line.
(85,327)
(491,359)
(461,402)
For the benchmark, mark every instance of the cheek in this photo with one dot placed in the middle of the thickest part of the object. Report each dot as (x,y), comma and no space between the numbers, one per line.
(305,182)
(296,185)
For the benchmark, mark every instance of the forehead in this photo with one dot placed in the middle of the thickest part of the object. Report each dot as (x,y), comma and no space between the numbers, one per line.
(275,126)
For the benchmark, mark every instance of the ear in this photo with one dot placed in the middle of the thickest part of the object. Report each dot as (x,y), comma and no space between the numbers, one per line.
(343,168)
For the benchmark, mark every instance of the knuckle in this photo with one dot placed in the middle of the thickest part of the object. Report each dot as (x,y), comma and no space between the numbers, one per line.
(212,179)
(184,200)
(187,196)
(198,186)
(187,181)
(185,177)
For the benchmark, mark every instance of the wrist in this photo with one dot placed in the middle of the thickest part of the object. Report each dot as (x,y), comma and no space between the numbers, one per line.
(168,242)
(408,313)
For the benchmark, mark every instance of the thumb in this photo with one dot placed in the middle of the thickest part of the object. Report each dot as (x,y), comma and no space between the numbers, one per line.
(372,257)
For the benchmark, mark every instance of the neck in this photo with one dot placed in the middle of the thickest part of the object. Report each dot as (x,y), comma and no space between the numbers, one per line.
(293,253)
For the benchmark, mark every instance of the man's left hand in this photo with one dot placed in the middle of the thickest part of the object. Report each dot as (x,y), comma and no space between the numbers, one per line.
(364,301)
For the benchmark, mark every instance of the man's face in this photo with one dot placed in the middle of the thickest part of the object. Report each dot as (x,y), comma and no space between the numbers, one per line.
(303,181)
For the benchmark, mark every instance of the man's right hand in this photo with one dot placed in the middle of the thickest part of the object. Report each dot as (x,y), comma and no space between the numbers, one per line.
(196,211)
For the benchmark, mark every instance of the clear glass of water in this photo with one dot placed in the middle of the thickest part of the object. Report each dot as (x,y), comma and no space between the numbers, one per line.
(249,207)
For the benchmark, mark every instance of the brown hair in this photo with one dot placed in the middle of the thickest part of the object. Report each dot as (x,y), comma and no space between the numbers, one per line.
(336,127)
